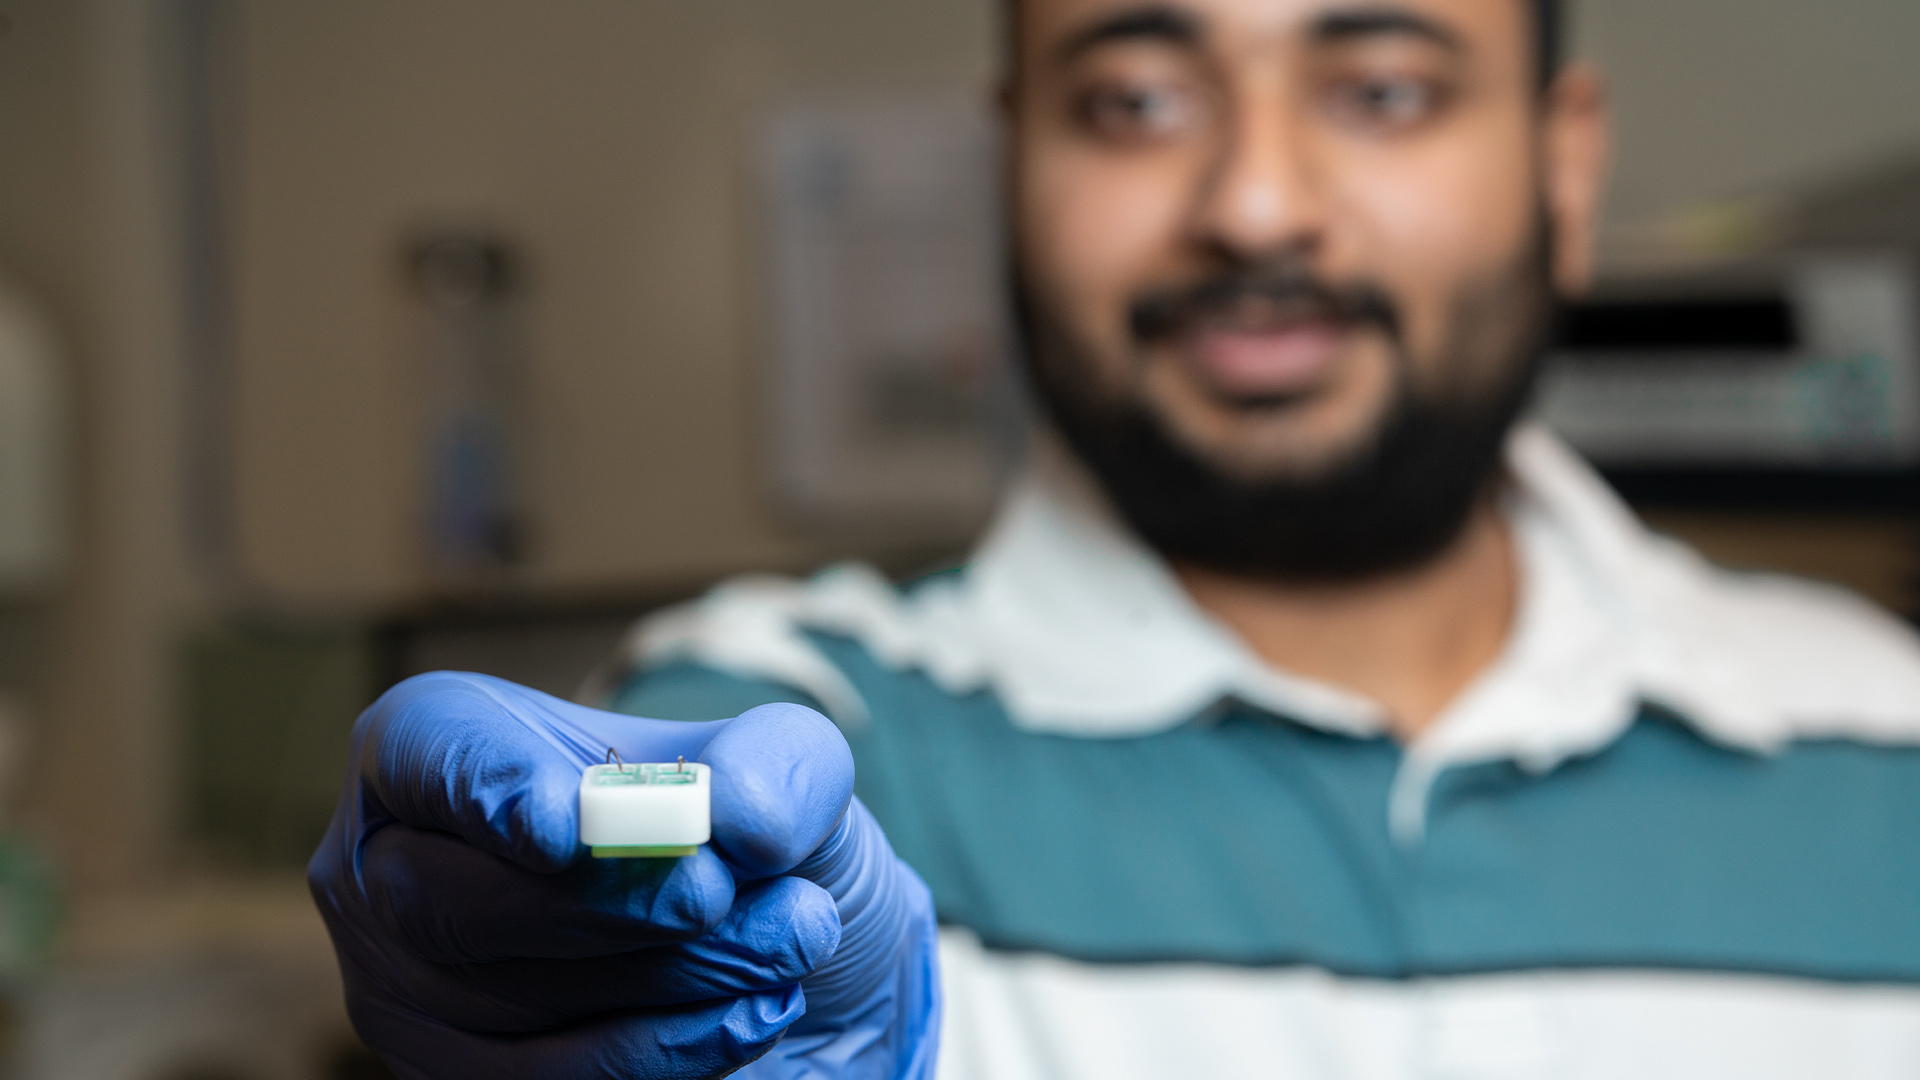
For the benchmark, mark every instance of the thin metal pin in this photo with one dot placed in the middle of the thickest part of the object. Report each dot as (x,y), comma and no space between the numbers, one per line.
(683,763)
(613,759)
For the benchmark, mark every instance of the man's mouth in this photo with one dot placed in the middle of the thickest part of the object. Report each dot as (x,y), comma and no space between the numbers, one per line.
(1265,359)
(1261,339)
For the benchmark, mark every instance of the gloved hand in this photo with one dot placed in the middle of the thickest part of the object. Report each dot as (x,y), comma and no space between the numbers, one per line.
(477,938)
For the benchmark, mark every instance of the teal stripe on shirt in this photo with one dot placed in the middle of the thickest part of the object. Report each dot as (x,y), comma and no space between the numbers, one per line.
(1245,839)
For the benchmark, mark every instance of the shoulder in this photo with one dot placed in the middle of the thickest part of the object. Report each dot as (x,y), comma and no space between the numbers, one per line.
(770,631)
(1754,659)
(691,691)
(1779,657)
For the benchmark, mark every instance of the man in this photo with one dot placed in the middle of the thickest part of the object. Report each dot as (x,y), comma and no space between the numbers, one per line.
(1301,715)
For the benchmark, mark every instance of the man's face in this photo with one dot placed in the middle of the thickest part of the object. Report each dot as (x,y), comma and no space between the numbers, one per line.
(1273,228)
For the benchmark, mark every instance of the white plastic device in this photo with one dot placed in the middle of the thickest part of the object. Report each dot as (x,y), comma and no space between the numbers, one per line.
(647,810)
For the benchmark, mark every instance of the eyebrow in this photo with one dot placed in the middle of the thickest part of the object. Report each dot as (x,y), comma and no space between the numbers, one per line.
(1337,27)
(1155,22)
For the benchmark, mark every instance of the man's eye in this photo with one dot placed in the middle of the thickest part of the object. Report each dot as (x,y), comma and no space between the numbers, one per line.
(1137,112)
(1386,102)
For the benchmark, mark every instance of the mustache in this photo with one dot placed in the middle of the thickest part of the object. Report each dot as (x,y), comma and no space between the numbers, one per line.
(1258,296)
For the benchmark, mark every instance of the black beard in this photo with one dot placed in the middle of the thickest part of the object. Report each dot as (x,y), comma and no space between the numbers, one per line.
(1394,502)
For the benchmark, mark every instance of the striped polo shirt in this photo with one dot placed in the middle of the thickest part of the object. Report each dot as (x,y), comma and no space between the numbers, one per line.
(1673,830)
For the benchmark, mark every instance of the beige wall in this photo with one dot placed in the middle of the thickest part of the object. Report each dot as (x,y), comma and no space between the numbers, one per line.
(86,224)
(609,139)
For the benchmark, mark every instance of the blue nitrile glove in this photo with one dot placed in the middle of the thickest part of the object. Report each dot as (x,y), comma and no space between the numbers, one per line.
(477,938)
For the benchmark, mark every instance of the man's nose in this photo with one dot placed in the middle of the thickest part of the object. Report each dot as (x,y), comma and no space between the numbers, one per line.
(1263,192)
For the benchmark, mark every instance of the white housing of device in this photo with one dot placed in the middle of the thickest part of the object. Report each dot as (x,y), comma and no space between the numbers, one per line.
(645,810)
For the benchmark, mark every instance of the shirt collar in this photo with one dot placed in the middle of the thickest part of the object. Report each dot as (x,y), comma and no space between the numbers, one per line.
(1082,630)
(1090,633)
(1085,631)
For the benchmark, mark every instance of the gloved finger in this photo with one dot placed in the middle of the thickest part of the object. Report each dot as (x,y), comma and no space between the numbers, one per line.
(450,902)
(882,906)
(697,1041)
(778,933)
(782,777)
(496,764)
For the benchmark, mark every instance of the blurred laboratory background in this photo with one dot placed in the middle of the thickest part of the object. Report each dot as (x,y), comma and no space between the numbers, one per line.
(344,340)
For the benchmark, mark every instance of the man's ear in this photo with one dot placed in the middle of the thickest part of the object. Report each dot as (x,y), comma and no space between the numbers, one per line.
(1578,148)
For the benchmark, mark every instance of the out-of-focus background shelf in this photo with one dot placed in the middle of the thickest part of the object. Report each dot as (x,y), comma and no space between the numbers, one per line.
(1875,556)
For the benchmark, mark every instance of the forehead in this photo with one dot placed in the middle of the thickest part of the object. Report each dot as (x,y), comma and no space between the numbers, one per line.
(1500,26)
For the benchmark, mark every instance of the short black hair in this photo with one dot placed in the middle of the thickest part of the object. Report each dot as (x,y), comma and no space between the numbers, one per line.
(1549,27)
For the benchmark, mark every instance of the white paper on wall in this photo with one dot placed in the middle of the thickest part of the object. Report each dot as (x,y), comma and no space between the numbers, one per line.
(890,390)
